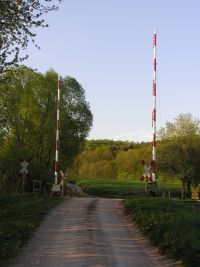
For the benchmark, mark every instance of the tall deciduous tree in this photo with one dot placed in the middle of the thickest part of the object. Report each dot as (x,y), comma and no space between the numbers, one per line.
(183,125)
(18,18)
(28,118)
(181,158)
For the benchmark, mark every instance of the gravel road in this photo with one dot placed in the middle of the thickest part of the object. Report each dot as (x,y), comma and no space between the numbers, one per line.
(89,232)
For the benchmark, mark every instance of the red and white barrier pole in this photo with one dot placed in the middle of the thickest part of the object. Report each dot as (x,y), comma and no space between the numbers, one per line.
(154,111)
(57,133)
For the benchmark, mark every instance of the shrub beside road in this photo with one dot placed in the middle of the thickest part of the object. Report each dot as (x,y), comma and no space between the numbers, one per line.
(172,225)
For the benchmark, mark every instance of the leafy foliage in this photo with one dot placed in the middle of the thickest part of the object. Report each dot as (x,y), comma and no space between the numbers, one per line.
(27,123)
(183,125)
(181,157)
(18,18)
(111,159)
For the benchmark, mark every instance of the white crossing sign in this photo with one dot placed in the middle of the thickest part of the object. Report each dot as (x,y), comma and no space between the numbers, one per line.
(24,165)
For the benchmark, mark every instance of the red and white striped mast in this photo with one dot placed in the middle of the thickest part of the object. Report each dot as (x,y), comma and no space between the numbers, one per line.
(154,111)
(57,133)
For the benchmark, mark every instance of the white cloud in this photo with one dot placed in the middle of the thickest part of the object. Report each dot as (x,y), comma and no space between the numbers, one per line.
(129,136)
(133,136)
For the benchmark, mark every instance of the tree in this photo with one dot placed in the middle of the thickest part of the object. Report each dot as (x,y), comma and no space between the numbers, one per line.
(18,18)
(183,125)
(76,119)
(27,121)
(181,158)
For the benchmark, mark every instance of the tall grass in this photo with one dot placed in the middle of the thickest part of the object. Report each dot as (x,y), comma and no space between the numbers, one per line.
(19,216)
(172,225)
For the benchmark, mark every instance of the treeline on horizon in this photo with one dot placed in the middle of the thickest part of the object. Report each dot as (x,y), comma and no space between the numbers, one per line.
(108,159)
(178,155)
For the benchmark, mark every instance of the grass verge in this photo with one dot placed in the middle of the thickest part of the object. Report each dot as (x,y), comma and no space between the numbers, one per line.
(19,216)
(122,188)
(171,225)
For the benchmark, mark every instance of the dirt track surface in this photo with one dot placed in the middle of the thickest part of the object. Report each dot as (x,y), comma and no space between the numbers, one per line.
(89,232)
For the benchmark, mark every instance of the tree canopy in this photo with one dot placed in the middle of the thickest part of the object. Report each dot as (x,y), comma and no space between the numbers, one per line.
(111,159)
(183,125)
(181,158)
(28,118)
(18,18)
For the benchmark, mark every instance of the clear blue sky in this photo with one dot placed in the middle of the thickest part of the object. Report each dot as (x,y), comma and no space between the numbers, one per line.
(107,46)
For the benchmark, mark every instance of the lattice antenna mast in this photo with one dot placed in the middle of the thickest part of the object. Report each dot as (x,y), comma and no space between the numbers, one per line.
(57,133)
(154,110)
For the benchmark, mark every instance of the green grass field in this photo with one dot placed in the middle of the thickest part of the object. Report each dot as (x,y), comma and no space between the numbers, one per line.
(123,188)
(19,216)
